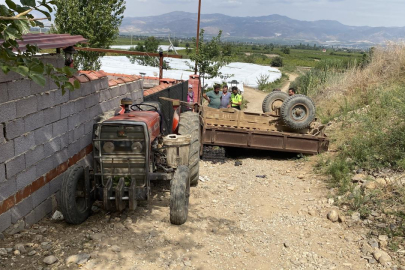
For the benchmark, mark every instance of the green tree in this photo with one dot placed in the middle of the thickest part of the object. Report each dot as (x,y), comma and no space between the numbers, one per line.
(15,21)
(227,49)
(209,57)
(277,62)
(96,20)
(188,48)
(151,44)
(285,50)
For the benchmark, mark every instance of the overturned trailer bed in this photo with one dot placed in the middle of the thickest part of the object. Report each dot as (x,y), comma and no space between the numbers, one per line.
(233,128)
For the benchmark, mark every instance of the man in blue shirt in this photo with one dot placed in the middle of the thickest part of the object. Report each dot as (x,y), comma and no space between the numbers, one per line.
(214,97)
(226,96)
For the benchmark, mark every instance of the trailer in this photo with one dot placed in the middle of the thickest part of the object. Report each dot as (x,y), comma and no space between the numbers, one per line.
(234,128)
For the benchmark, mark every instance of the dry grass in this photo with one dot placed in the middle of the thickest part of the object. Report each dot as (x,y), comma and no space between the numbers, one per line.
(387,65)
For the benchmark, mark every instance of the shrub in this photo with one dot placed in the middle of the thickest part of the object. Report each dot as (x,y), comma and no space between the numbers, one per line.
(277,62)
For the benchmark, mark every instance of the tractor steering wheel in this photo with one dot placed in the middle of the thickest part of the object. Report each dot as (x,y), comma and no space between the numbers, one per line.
(138,106)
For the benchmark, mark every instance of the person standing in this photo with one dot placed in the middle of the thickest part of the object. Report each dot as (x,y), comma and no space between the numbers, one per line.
(190,97)
(214,97)
(236,99)
(226,96)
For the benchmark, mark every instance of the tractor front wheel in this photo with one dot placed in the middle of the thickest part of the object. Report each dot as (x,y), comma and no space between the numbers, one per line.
(179,195)
(75,201)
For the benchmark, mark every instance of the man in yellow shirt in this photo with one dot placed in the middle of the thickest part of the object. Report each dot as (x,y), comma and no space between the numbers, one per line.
(236,98)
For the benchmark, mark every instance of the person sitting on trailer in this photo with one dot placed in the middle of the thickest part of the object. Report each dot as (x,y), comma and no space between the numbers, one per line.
(236,98)
(214,97)
(291,91)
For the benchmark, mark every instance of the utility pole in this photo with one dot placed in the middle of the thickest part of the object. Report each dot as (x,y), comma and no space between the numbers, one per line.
(198,33)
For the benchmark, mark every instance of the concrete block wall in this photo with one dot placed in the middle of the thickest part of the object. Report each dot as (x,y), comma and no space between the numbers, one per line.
(43,133)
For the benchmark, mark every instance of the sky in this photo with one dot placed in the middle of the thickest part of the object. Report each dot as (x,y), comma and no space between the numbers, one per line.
(349,12)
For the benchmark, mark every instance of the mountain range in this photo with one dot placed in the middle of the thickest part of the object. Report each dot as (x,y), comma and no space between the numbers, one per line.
(269,28)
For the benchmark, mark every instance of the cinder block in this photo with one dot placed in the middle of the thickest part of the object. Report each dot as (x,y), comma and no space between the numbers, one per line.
(67,109)
(43,134)
(2,133)
(2,173)
(18,89)
(51,147)
(55,184)
(10,76)
(71,136)
(26,106)
(6,151)
(115,92)
(64,140)
(104,95)
(61,157)
(21,209)
(15,128)
(43,210)
(5,220)
(37,89)
(14,166)
(79,105)
(24,143)
(78,132)
(3,93)
(44,166)
(74,148)
(40,195)
(60,97)
(86,140)
(51,115)
(95,111)
(77,93)
(88,126)
(86,88)
(60,127)
(105,106)
(46,100)
(100,84)
(7,189)
(92,100)
(26,177)
(8,111)
(74,120)
(35,155)
(34,121)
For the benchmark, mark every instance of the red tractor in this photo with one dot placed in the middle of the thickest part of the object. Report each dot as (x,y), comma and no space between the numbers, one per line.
(129,151)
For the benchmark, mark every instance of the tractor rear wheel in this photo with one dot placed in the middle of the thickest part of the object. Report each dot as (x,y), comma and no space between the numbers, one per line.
(298,112)
(273,101)
(179,195)
(190,125)
(75,198)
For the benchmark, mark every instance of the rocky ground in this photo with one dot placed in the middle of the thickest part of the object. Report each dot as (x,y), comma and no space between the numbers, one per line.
(270,212)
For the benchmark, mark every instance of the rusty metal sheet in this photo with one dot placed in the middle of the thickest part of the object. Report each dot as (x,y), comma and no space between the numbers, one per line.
(50,41)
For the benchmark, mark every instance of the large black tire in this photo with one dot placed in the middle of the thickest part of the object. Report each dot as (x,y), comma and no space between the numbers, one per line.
(179,195)
(75,209)
(272,99)
(190,125)
(298,112)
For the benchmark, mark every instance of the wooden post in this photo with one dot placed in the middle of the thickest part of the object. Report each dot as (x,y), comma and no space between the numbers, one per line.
(160,66)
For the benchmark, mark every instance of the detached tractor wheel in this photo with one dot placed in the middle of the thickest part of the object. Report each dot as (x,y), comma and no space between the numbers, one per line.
(75,195)
(273,101)
(179,195)
(298,111)
(190,125)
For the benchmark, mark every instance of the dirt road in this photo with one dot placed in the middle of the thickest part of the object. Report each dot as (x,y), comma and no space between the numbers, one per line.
(268,213)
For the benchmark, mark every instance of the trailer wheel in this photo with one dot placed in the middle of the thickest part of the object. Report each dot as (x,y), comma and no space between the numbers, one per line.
(190,125)
(298,111)
(179,195)
(75,198)
(273,101)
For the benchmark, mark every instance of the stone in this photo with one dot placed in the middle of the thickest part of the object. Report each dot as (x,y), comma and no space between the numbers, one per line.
(381,181)
(116,248)
(20,247)
(231,188)
(97,236)
(370,185)
(57,215)
(383,244)
(373,243)
(32,253)
(371,260)
(16,252)
(16,228)
(358,178)
(367,249)
(383,237)
(381,256)
(81,258)
(50,260)
(3,251)
(286,245)
(356,216)
(312,212)
(342,218)
(333,215)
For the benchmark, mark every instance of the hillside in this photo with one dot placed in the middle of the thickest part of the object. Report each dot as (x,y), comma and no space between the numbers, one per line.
(266,28)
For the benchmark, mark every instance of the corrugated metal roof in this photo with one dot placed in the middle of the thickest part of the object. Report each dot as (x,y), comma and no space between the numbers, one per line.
(50,41)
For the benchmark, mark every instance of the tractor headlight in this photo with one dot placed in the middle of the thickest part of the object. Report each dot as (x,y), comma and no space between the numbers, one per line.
(108,147)
(136,147)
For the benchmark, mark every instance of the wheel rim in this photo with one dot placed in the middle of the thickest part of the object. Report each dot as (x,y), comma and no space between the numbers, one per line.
(81,203)
(276,104)
(299,112)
